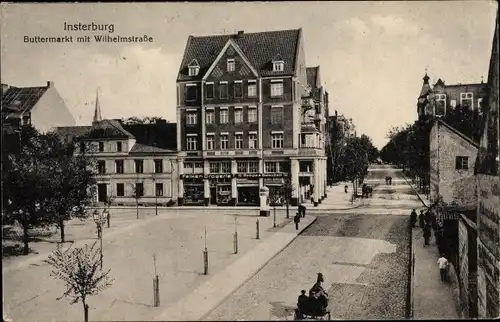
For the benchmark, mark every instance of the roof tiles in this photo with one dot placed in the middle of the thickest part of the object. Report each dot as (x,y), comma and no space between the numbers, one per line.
(21,99)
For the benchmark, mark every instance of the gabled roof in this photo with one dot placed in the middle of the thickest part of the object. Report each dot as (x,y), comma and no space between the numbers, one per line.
(312,76)
(108,129)
(458,133)
(70,133)
(142,148)
(21,99)
(260,48)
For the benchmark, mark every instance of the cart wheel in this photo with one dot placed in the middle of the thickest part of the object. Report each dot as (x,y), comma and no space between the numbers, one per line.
(295,316)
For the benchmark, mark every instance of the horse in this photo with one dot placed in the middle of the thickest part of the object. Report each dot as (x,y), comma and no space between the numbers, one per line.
(366,191)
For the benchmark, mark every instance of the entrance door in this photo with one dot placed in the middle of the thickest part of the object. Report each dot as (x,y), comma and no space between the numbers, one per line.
(102,193)
(213,195)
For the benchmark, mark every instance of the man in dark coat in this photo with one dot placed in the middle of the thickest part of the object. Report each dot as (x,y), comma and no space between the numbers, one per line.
(413,218)
(302,210)
(421,219)
(428,217)
(427,234)
(296,220)
(302,302)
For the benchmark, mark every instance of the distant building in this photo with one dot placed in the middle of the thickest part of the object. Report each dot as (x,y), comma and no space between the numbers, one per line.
(130,158)
(488,191)
(439,99)
(41,107)
(250,114)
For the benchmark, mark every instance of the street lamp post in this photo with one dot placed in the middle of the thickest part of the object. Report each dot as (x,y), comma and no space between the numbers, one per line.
(99,220)
(156,197)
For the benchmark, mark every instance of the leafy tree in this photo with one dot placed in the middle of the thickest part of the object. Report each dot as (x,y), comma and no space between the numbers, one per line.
(73,184)
(354,161)
(25,179)
(79,269)
(144,120)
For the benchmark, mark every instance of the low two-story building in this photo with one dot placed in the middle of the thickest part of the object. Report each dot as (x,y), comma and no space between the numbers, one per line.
(248,118)
(132,160)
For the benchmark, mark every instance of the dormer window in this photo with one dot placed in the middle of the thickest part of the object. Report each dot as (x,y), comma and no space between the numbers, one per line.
(194,68)
(278,66)
(230,65)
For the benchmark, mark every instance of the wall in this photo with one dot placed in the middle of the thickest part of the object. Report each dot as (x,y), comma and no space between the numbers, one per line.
(463,262)
(51,111)
(433,167)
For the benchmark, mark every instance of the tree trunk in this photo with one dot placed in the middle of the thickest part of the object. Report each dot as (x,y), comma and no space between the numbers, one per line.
(85,312)
(26,248)
(61,227)
(137,207)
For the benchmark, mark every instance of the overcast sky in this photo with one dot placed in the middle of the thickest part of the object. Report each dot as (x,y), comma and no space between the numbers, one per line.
(373,55)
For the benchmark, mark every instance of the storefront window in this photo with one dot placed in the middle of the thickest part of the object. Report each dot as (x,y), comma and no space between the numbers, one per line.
(242,166)
(271,167)
(253,167)
(225,167)
(214,167)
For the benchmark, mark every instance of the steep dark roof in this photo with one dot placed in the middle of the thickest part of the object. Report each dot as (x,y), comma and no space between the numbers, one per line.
(260,49)
(312,76)
(458,133)
(161,134)
(108,129)
(141,148)
(21,99)
(70,133)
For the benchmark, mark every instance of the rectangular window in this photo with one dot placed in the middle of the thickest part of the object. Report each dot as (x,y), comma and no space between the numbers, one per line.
(120,190)
(276,89)
(230,65)
(224,116)
(188,165)
(191,143)
(453,103)
(101,166)
(467,100)
(158,166)
(83,147)
(242,166)
(223,90)
(118,146)
(461,163)
(119,166)
(440,104)
(284,166)
(193,70)
(271,166)
(210,117)
(190,93)
(252,89)
(225,167)
(139,166)
(214,167)
(252,141)
(224,140)
(238,115)
(277,140)
(253,167)
(139,189)
(210,142)
(238,90)
(159,189)
(278,66)
(198,165)
(101,146)
(252,115)
(238,141)
(210,88)
(276,115)
(191,118)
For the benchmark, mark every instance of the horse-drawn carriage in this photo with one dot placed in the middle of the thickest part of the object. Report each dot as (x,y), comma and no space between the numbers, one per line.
(314,306)
(366,191)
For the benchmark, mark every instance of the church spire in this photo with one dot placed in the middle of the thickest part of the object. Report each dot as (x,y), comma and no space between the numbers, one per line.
(97,111)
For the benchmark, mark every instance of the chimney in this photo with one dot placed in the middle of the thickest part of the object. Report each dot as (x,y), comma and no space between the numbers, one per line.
(50,84)
(240,32)
(5,87)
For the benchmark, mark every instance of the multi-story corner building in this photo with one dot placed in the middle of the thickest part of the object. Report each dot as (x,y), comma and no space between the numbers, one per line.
(247,118)
(40,106)
(488,191)
(132,160)
(439,99)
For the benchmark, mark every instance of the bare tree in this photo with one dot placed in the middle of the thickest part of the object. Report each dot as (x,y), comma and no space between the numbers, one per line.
(79,269)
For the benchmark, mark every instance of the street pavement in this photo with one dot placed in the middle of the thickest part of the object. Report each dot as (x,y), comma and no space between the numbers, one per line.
(363,254)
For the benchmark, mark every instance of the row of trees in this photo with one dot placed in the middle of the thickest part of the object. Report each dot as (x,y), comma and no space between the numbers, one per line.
(44,183)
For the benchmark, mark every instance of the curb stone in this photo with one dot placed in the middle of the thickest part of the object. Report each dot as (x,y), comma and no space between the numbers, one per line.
(418,194)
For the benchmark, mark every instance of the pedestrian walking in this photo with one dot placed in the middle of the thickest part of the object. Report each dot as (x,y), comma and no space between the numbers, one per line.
(302,210)
(428,217)
(421,219)
(427,234)
(443,267)
(413,218)
(346,188)
(296,220)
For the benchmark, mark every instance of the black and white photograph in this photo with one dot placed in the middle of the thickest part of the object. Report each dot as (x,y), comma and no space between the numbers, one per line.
(250,161)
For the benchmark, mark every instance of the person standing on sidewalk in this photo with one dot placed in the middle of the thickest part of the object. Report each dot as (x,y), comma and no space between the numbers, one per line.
(413,218)
(427,234)
(443,267)
(296,220)
(421,219)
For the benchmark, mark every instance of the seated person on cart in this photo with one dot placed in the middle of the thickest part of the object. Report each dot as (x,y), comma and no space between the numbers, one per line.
(317,302)
(302,303)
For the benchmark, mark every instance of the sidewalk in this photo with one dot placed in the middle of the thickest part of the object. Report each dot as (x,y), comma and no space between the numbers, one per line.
(432,298)
(336,199)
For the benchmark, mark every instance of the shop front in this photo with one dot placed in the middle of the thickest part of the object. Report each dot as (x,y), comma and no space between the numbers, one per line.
(193,189)
(247,186)
(276,191)
(220,189)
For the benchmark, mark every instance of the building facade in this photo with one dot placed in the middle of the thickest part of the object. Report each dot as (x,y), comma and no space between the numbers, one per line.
(440,99)
(488,193)
(248,118)
(40,106)
(130,167)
